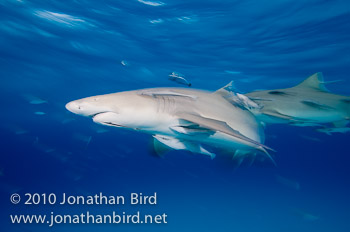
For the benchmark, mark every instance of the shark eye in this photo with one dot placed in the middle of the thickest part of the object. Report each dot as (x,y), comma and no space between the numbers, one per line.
(95,99)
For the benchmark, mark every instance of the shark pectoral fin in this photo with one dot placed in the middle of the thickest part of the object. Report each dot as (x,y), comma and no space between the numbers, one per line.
(183,145)
(219,126)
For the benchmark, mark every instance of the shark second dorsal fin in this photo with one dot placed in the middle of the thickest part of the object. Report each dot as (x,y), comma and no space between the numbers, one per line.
(314,82)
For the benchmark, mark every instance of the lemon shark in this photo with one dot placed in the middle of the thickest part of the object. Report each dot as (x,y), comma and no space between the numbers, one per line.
(306,104)
(179,118)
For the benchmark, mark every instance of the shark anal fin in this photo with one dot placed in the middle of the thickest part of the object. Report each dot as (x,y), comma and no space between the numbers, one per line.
(183,145)
(219,126)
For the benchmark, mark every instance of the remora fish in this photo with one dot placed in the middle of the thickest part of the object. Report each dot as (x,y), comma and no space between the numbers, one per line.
(329,131)
(179,118)
(179,79)
(309,103)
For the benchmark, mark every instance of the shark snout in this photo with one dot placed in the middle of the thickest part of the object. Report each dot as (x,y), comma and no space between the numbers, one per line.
(81,108)
(73,107)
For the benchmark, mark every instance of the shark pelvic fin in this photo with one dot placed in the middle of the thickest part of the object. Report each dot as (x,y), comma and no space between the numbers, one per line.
(183,145)
(219,126)
(314,82)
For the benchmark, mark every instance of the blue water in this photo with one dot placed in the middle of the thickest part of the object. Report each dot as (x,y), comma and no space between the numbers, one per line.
(58,51)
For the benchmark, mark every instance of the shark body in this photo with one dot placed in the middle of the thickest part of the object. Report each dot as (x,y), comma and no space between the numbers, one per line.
(182,119)
(307,104)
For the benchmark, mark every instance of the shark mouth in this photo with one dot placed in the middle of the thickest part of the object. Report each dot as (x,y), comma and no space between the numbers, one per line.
(99,118)
(113,124)
(94,115)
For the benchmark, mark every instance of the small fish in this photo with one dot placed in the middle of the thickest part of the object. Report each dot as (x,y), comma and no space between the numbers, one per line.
(43,147)
(124,63)
(305,124)
(232,72)
(34,100)
(84,138)
(101,130)
(39,113)
(305,215)
(292,184)
(21,132)
(17,130)
(177,77)
(310,138)
(329,131)
(68,120)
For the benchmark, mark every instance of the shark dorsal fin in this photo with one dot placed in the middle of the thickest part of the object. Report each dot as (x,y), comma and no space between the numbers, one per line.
(224,91)
(314,82)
